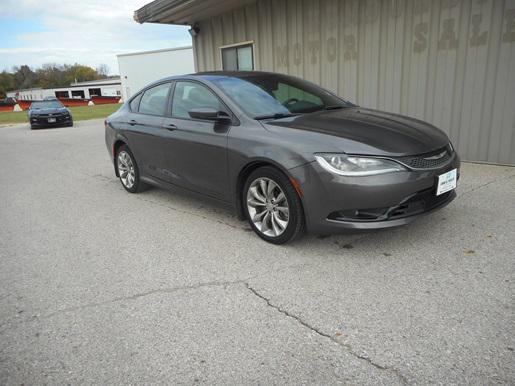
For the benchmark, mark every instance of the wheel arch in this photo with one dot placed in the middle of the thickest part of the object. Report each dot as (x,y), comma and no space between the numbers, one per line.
(245,172)
(116,146)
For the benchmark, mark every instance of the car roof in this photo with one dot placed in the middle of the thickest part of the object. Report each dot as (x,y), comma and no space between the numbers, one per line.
(229,74)
(210,75)
(235,74)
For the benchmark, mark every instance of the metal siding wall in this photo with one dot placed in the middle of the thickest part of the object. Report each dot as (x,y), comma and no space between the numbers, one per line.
(448,62)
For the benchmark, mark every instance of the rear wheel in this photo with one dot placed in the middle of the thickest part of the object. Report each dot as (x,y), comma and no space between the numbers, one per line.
(272,206)
(128,170)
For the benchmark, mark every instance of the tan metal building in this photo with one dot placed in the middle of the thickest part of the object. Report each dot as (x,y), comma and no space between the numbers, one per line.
(448,62)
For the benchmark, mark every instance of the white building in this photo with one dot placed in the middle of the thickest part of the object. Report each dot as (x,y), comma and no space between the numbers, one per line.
(109,87)
(141,68)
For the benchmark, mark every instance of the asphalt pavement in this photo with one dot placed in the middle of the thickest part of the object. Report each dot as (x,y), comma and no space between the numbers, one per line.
(99,286)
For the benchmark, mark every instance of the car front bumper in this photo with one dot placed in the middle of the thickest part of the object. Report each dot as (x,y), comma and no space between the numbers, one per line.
(332,202)
(43,121)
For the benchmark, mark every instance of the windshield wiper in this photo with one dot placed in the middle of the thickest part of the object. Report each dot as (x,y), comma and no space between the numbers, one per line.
(334,107)
(274,116)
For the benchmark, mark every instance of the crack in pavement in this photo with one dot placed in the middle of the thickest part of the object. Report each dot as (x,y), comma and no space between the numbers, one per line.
(319,332)
(486,184)
(147,293)
(129,297)
(143,294)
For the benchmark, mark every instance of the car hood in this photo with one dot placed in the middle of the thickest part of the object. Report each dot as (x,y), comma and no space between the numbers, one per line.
(52,110)
(361,131)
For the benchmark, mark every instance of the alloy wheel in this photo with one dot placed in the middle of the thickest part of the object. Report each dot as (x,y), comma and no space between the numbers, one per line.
(126,169)
(268,207)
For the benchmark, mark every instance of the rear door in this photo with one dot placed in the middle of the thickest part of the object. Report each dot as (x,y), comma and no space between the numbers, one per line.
(145,129)
(196,150)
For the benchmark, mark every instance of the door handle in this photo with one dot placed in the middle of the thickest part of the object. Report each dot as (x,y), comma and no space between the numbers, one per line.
(170,126)
(133,122)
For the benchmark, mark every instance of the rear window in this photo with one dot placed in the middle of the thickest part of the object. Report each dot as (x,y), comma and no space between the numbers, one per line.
(153,101)
(135,103)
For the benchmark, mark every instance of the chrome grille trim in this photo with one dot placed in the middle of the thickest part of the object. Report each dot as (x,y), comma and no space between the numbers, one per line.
(427,161)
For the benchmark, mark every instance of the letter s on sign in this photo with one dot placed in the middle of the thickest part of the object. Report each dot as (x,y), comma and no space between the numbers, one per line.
(509,34)
(420,44)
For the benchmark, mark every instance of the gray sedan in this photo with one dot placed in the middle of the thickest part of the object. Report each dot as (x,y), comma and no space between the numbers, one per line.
(287,154)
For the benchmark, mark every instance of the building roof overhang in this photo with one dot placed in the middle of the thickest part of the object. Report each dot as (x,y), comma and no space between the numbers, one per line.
(185,12)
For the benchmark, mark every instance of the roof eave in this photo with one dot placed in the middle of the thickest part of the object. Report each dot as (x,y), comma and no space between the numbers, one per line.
(150,12)
(185,12)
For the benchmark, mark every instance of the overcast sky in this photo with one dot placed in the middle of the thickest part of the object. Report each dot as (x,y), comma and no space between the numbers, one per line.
(89,32)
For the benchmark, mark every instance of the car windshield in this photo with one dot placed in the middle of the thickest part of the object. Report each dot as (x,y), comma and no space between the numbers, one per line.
(46,105)
(275,96)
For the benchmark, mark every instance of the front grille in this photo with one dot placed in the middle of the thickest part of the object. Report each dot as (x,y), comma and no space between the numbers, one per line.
(52,115)
(43,118)
(432,160)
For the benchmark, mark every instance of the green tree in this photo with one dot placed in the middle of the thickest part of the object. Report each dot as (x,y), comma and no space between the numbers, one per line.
(6,83)
(24,77)
(51,75)
(80,73)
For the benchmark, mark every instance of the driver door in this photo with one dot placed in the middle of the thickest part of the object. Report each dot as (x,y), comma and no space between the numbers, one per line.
(196,150)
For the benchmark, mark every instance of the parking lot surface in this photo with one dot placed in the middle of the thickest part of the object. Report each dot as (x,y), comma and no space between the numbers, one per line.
(101,286)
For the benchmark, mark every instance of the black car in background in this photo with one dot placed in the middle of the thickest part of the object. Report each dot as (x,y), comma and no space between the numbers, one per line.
(49,113)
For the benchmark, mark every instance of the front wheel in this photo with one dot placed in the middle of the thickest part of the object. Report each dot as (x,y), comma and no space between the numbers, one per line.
(128,170)
(272,206)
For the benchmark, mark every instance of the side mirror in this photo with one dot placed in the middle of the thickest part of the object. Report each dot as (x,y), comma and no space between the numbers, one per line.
(209,114)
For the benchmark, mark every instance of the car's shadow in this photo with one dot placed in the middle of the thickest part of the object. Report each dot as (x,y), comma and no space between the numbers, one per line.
(344,241)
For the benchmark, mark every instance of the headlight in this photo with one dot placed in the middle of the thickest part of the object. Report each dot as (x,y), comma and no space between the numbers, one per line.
(348,165)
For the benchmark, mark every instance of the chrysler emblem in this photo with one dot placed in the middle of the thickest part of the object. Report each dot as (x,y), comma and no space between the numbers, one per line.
(437,156)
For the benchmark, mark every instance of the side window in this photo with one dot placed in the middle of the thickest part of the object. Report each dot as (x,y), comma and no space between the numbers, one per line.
(135,103)
(191,95)
(153,100)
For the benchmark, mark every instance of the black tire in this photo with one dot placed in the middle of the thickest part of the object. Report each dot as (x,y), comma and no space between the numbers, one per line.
(70,124)
(296,222)
(137,185)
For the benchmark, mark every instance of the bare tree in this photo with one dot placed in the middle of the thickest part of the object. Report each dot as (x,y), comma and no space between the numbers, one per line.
(103,70)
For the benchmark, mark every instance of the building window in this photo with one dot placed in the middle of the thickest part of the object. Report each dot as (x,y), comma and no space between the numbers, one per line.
(238,57)
(95,92)
(78,94)
(62,94)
